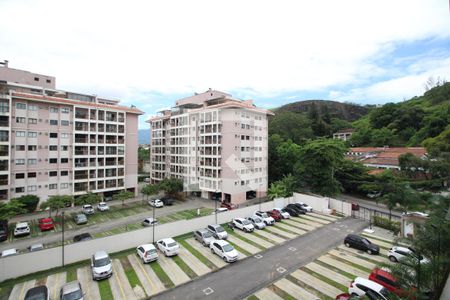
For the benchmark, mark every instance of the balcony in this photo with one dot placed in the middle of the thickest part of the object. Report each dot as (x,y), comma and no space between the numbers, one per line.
(81,165)
(81,127)
(4,123)
(4,166)
(110,184)
(80,140)
(84,176)
(3,194)
(81,187)
(79,152)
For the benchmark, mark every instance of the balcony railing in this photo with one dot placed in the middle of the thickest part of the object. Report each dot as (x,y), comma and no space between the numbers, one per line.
(3,181)
(81,165)
(4,153)
(81,140)
(81,152)
(81,177)
(4,123)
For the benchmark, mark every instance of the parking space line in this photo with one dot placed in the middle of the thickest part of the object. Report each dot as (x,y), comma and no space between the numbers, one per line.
(148,285)
(289,227)
(121,280)
(329,260)
(252,237)
(316,283)
(294,290)
(25,287)
(172,270)
(193,262)
(271,236)
(352,258)
(282,233)
(335,276)
(267,294)
(246,246)
(298,224)
(315,220)
(326,217)
(378,258)
(89,285)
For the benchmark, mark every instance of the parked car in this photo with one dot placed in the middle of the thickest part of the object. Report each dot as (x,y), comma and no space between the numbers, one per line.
(305,206)
(228,205)
(224,250)
(9,252)
(22,229)
(101,265)
(275,214)
(36,247)
(204,236)
(385,279)
(373,194)
(87,209)
(155,203)
(149,222)
(347,296)
(147,179)
(283,212)
(102,206)
(82,237)
(38,293)
(361,286)
(80,219)
(168,246)
(71,291)
(219,210)
(397,254)
(107,198)
(257,222)
(218,231)
(147,253)
(4,231)
(292,212)
(243,224)
(167,200)
(46,224)
(361,243)
(266,218)
(298,209)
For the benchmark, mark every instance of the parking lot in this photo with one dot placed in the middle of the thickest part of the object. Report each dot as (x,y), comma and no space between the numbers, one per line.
(134,280)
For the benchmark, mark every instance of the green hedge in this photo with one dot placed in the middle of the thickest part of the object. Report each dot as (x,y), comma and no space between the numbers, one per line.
(387,224)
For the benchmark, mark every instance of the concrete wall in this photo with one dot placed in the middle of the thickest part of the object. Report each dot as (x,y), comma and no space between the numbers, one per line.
(323,204)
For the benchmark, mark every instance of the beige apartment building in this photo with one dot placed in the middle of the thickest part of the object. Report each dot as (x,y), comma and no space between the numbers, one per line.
(215,143)
(55,142)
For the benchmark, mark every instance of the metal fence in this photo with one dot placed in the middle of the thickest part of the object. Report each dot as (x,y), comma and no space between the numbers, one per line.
(367,214)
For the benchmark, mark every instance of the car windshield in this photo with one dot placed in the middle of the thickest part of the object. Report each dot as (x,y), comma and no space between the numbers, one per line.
(366,241)
(246,222)
(227,248)
(39,296)
(257,220)
(102,262)
(47,222)
(75,295)
(264,215)
(22,227)
(207,234)
(171,244)
(151,251)
(219,229)
(88,206)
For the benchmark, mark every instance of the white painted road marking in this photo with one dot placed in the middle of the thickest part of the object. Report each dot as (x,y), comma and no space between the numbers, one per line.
(258,256)
(281,270)
(208,291)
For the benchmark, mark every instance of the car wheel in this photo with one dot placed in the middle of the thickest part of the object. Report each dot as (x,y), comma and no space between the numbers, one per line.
(347,245)
(204,244)
(392,258)
(355,294)
(224,259)
(212,251)
(369,251)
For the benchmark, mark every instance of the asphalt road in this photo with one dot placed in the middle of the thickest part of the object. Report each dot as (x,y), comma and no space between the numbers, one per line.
(243,278)
(368,204)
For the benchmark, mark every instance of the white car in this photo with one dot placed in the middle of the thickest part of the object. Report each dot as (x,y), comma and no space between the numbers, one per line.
(9,252)
(22,229)
(217,231)
(361,286)
(155,203)
(306,206)
(265,217)
(149,222)
(147,253)
(243,224)
(102,206)
(224,250)
(283,213)
(396,254)
(168,246)
(87,209)
(257,222)
(101,265)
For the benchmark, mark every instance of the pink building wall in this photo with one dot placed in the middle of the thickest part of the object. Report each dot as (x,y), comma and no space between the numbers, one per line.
(131,149)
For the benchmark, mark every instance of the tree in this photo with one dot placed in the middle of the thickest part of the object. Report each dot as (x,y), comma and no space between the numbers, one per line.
(30,202)
(89,198)
(11,209)
(275,171)
(55,203)
(290,125)
(123,195)
(150,189)
(287,152)
(276,189)
(353,176)
(171,185)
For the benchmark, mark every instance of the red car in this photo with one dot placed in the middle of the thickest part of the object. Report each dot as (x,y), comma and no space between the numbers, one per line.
(385,279)
(275,214)
(46,224)
(345,296)
(228,205)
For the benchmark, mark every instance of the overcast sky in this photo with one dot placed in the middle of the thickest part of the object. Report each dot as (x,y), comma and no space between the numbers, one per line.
(150,53)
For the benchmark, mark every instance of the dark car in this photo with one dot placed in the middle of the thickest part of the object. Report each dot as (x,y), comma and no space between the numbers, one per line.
(275,214)
(82,237)
(361,243)
(3,230)
(298,209)
(292,212)
(37,293)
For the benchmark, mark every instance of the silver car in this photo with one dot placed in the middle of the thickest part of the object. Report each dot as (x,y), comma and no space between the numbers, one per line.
(204,236)
(218,231)
(101,265)
(80,219)
(71,291)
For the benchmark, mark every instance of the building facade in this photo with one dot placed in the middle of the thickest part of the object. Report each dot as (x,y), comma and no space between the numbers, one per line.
(343,134)
(216,144)
(55,142)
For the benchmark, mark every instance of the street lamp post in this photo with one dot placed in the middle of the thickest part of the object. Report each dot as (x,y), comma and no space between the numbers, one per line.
(215,204)
(154,223)
(62,237)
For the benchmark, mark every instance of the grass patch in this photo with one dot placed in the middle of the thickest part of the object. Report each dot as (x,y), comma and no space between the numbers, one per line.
(277,234)
(308,288)
(252,297)
(183,266)
(133,279)
(247,241)
(351,264)
(105,290)
(162,275)
(197,254)
(281,293)
(325,279)
(239,249)
(264,238)
(337,270)
(71,275)
(288,230)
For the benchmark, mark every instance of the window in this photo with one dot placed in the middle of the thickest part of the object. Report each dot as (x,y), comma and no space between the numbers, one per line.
(53,148)
(64,173)
(36,78)
(64,160)
(20,162)
(31,175)
(20,190)
(242,182)
(32,161)
(20,147)
(65,110)
(64,186)
(32,134)
(53,186)
(64,148)
(64,135)
(32,107)
(53,135)
(64,123)
(32,188)
(21,106)
(53,109)
(32,121)
(53,173)
(53,160)
(20,175)
(20,120)
(53,122)
(32,147)
(20,133)
(48,80)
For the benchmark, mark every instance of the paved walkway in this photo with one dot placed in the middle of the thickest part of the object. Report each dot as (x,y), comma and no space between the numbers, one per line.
(151,283)
(193,262)
(335,276)
(293,289)
(90,287)
(321,286)
(267,294)
(172,270)
(330,260)
(262,242)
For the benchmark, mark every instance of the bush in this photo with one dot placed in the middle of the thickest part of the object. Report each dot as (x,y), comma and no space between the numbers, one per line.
(387,224)
(30,202)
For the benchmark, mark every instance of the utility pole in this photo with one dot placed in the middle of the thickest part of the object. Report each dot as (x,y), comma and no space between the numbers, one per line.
(62,237)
